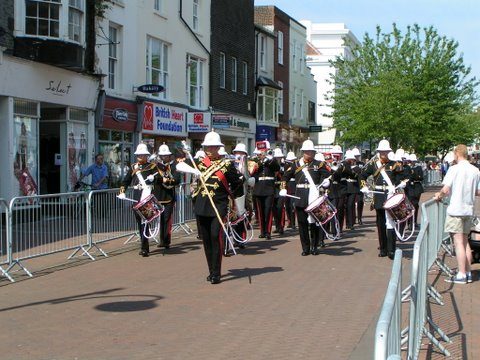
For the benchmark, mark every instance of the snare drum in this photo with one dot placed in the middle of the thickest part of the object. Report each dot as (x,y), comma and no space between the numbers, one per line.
(148,208)
(399,208)
(321,209)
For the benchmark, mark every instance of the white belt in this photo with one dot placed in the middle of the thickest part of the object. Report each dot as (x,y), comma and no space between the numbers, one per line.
(351,180)
(381,187)
(140,187)
(266,178)
(303,186)
(343,179)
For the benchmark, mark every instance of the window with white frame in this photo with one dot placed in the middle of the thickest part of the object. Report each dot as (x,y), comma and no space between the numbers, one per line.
(157,65)
(233,80)
(294,55)
(302,61)
(195,81)
(75,20)
(158,5)
(294,103)
(222,70)
(280,47)
(112,56)
(262,52)
(301,105)
(42,18)
(245,78)
(280,98)
(195,14)
(267,105)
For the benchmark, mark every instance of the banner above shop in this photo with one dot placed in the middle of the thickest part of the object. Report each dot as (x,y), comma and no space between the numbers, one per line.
(164,120)
(199,122)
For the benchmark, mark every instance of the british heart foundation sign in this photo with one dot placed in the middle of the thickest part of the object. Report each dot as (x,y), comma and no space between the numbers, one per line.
(164,120)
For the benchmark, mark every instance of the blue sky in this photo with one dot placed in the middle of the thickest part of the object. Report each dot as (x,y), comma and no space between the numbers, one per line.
(455,19)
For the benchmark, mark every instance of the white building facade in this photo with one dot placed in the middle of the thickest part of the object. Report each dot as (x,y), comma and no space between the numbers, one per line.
(329,41)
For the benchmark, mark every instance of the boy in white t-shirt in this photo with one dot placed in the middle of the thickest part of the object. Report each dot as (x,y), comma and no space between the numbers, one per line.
(462,184)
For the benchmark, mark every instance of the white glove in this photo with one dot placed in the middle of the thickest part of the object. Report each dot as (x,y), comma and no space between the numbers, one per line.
(150,178)
(185,168)
(283,192)
(251,181)
(325,183)
(402,185)
(121,196)
(391,190)
(269,157)
(364,190)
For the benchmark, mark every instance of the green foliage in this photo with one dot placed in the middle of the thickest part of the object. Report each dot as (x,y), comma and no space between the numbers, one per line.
(101,6)
(411,88)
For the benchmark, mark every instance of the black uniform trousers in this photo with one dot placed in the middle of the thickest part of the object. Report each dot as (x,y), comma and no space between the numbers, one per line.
(166,223)
(339,203)
(212,236)
(264,213)
(386,237)
(290,211)
(279,213)
(350,210)
(142,227)
(360,204)
(309,233)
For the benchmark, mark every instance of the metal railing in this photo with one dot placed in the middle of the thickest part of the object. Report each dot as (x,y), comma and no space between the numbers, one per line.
(432,177)
(33,226)
(389,325)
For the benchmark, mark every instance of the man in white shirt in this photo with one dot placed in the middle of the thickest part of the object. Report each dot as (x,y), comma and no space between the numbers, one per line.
(462,184)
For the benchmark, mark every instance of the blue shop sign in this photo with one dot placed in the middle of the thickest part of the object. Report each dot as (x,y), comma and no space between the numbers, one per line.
(266,133)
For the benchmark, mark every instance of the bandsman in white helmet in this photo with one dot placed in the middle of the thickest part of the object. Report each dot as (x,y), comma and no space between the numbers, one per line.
(244,203)
(386,177)
(309,174)
(414,187)
(279,201)
(164,191)
(264,188)
(290,202)
(338,189)
(142,176)
(351,177)
(359,198)
(222,181)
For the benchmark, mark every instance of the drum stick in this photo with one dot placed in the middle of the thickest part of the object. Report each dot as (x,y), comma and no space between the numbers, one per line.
(292,196)
(128,199)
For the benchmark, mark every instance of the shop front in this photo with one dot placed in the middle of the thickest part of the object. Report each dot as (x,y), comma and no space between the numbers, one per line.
(48,115)
(163,124)
(234,129)
(116,136)
(269,133)
(198,124)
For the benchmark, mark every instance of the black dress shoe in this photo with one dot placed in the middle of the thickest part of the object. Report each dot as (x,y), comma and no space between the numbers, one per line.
(215,280)
(144,253)
(268,236)
(315,252)
(322,244)
(382,254)
(360,222)
(209,278)
(281,231)
(391,256)
(305,253)
(261,236)
(276,231)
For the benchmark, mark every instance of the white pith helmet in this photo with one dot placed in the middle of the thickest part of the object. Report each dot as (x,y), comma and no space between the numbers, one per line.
(200,154)
(406,156)
(384,145)
(291,156)
(164,150)
(399,153)
(222,151)
(413,157)
(240,148)
(278,153)
(391,156)
(212,139)
(319,157)
(142,149)
(356,152)
(256,151)
(349,155)
(337,149)
(308,146)
(267,144)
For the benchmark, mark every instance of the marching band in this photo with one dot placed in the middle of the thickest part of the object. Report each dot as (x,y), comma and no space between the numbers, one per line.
(323,194)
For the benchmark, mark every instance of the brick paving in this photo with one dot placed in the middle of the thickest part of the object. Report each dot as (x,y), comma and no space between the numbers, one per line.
(272,304)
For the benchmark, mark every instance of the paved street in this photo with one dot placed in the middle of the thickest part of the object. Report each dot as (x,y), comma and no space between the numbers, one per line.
(272,304)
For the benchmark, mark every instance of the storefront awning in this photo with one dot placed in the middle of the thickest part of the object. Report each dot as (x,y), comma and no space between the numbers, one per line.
(264,81)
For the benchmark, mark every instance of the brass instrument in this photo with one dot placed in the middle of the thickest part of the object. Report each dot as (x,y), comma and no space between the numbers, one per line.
(166,173)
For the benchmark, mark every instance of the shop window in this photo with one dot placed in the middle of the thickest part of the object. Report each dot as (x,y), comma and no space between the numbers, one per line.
(157,65)
(116,147)
(77,146)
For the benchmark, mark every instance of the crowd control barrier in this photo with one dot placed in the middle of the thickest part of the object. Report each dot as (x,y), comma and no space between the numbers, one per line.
(389,325)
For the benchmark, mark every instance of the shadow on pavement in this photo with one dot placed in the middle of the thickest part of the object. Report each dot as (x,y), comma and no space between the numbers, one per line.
(249,272)
(339,248)
(255,247)
(130,306)
(176,249)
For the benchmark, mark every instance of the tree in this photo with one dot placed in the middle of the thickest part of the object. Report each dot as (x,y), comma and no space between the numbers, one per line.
(411,88)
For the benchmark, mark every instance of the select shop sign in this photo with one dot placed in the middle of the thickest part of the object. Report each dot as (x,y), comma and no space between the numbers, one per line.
(164,120)
(199,122)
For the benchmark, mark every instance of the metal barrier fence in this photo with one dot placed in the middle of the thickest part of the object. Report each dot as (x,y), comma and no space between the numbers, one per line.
(33,226)
(389,325)
(425,254)
(430,240)
(432,178)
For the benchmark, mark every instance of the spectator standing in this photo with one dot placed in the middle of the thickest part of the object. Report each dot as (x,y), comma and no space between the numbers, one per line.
(462,184)
(99,173)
